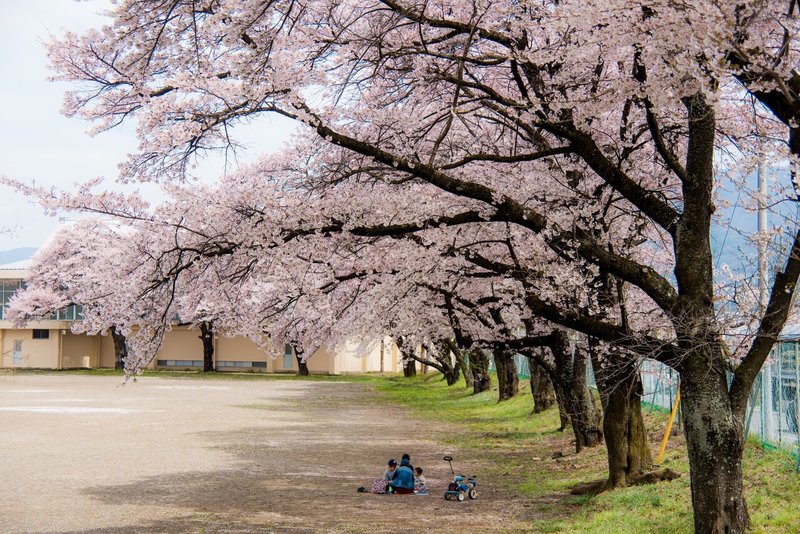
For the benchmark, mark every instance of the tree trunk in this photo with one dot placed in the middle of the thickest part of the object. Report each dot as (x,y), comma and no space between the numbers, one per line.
(207,337)
(544,395)
(620,387)
(507,377)
(441,353)
(714,430)
(465,368)
(571,371)
(409,363)
(563,410)
(441,361)
(450,376)
(302,366)
(715,442)
(409,367)
(479,365)
(461,362)
(585,419)
(120,348)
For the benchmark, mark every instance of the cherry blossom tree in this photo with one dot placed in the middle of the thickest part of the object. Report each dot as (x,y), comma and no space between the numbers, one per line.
(526,114)
(59,277)
(457,285)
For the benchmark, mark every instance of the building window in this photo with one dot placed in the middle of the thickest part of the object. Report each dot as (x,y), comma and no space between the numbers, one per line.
(7,290)
(39,333)
(70,313)
(242,364)
(179,363)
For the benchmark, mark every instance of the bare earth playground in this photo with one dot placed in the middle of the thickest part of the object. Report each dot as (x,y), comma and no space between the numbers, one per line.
(88,454)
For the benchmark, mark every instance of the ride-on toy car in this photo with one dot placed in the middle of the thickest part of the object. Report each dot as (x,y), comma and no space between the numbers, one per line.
(461,486)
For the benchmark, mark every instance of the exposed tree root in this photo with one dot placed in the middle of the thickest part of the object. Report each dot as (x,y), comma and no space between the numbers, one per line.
(599,486)
(589,488)
(652,477)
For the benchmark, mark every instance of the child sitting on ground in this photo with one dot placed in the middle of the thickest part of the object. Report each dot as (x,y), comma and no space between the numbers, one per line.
(381,485)
(420,484)
(388,475)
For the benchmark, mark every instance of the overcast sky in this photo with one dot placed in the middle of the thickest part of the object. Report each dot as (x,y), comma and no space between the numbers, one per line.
(39,144)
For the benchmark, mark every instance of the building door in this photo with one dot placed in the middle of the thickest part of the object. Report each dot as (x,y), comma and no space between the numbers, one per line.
(288,356)
(17,351)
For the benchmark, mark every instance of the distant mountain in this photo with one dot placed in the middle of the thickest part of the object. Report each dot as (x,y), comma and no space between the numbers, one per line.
(16,254)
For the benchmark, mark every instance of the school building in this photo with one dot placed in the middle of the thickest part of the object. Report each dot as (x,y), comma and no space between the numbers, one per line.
(49,344)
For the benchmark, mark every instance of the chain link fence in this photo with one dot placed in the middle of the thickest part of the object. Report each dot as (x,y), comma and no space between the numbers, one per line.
(523,366)
(773,412)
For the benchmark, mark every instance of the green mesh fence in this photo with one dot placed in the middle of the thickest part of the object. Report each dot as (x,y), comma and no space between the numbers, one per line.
(772,414)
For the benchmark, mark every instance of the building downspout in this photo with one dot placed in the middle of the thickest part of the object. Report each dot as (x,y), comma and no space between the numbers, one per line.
(215,356)
(60,349)
(334,362)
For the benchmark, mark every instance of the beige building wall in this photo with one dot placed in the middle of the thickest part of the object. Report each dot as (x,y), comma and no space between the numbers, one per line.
(68,350)
(394,356)
(79,350)
(107,357)
(180,343)
(322,361)
(348,362)
(241,349)
(367,356)
(32,353)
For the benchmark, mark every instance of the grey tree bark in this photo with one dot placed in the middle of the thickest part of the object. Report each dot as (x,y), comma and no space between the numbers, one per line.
(507,377)
(544,395)
(479,364)
(620,387)
(207,337)
(302,366)
(120,348)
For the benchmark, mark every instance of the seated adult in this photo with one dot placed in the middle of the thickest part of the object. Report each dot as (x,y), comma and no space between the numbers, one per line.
(406,460)
(403,479)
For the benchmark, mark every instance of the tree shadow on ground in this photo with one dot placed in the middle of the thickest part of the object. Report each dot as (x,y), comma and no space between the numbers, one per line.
(301,476)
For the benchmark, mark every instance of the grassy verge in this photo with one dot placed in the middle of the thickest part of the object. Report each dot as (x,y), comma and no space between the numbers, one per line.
(515,450)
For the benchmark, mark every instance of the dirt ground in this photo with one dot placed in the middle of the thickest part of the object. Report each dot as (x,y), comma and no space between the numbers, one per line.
(87,454)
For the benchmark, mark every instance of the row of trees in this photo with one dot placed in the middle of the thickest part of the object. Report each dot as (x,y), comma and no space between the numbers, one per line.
(538,177)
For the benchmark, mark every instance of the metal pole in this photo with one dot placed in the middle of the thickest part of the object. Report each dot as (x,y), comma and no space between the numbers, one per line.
(796,394)
(669,426)
(779,381)
(766,405)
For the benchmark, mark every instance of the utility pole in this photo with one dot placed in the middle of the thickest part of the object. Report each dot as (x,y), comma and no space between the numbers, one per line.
(766,376)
